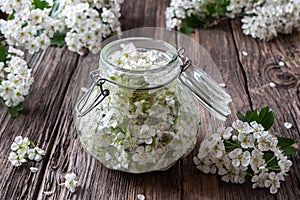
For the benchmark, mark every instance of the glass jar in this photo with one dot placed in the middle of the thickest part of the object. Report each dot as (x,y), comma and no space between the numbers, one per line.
(139,119)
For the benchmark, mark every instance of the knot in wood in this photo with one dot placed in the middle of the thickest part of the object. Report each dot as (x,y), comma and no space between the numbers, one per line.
(281,76)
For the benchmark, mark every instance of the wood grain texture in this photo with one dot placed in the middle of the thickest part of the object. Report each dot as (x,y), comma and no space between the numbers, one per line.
(47,118)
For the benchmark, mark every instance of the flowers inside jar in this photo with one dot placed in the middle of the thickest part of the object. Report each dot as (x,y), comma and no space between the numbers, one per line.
(148,121)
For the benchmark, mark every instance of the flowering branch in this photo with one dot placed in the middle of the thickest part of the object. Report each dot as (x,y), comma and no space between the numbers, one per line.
(247,148)
(37,24)
(262,19)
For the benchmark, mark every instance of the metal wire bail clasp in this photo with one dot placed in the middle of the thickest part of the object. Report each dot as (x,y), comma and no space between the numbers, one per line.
(186,62)
(82,107)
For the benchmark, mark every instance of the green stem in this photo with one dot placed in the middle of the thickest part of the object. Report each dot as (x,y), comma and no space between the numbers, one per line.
(270,160)
(251,175)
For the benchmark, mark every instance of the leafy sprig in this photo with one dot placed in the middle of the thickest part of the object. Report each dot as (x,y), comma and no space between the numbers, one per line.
(265,117)
(210,13)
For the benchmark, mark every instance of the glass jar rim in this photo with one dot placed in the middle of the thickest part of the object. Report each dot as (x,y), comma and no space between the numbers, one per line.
(172,49)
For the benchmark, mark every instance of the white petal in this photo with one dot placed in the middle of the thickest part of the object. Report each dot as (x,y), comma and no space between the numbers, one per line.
(281,63)
(31,157)
(47,193)
(33,169)
(16,163)
(288,125)
(267,183)
(245,163)
(225,178)
(245,53)
(235,162)
(14,146)
(273,189)
(38,158)
(18,139)
(70,176)
(141,197)
(272,84)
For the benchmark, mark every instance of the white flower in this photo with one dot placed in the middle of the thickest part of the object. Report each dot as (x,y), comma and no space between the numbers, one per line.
(218,149)
(273,181)
(259,179)
(239,157)
(36,154)
(256,161)
(242,127)
(247,140)
(107,16)
(227,173)
(257,129)
(267,142)
(16,159)
(285,165)
(70,182)
(20,143)
(205,165)
(222,133)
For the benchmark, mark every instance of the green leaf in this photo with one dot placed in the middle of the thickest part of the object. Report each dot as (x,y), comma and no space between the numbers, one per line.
(58,39)
(285,145)
(186,29)
(271,161)
(231,145)
(3,53)
(13,111)
(265,117)
(285,142)
(11,16)
(41,4)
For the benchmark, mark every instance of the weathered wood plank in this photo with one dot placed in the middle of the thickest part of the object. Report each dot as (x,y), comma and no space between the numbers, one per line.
(47,118)
(97,181)
(219,43)
(261,67)
(37,121)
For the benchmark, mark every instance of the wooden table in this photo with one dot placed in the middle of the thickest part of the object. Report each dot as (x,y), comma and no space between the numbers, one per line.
(47,119)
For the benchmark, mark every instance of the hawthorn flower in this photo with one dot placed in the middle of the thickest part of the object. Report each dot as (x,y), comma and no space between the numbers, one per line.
(218,149)
(21,152)
(20,143)
(257,129)
(205,165)
(247,140)
(36,154)
(242,127)
(245,155)
(227,173)
(70,182)
(285,165)
(240,158)
(259,179)
(273,181)
(16,78)
(222,133)
(256,160)
(16,159)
